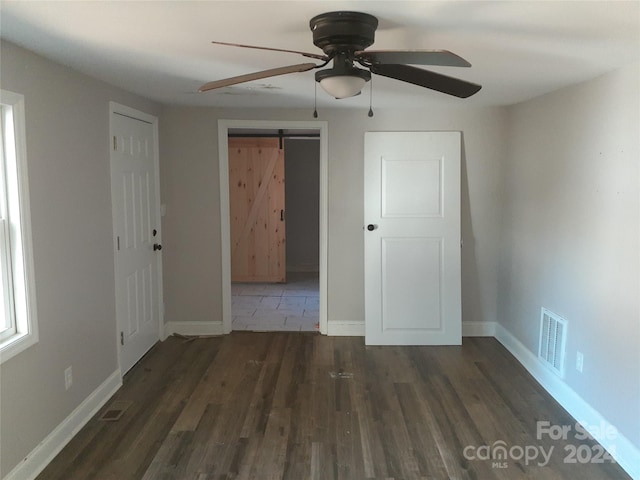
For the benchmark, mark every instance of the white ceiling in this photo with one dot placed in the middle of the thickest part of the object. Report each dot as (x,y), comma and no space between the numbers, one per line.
(162,49)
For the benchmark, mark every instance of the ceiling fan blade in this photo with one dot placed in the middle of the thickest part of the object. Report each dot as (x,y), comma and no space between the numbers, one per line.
(302,67)
(324,58)
(443,58)
(425,78)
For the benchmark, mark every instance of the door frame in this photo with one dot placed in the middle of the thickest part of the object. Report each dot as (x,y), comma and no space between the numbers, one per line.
(225,230)
(116,108)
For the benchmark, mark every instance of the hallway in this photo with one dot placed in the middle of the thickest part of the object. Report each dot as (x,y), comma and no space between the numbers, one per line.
(277,307)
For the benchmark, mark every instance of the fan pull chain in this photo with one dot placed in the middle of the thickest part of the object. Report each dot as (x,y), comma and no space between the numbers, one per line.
(370,98)
(315,99)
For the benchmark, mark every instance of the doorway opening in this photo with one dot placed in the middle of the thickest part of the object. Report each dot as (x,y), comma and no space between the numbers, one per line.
(274,249)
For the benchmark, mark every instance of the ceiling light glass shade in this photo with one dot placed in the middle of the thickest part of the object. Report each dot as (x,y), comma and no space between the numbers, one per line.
(342,86)
(342,83)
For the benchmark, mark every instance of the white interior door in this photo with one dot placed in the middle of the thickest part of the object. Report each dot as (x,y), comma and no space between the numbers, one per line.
(412,238)
(135,198)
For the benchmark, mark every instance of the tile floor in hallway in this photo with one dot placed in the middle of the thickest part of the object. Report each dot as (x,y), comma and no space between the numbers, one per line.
(271,307)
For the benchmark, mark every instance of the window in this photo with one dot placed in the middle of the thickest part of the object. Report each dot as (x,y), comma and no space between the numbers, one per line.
(18,326)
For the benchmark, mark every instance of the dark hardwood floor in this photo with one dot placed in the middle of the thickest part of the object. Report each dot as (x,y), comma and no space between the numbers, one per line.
(303,406)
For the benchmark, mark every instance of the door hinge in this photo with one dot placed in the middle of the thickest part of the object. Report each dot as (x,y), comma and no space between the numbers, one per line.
(121,338)
(115,143)
(118,242)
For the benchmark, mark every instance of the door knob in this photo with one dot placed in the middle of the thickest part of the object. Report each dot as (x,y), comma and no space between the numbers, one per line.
(371,227)
(157,246)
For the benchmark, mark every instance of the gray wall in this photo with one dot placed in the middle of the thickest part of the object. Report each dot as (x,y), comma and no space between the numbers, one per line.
(302,201)
(570,236)
(67,129)
(189,166)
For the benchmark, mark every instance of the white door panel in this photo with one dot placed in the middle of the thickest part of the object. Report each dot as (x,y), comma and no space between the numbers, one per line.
(135,215)
(412,245)
(408,281)
(420,195)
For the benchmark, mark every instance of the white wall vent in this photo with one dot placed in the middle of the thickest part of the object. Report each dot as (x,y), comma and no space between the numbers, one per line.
(553,334)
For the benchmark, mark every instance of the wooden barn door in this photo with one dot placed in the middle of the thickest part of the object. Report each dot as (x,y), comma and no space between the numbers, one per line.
(256,197)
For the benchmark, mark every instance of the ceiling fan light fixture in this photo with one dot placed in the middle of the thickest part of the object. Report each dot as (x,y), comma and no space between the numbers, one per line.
(342,84)
(344,36)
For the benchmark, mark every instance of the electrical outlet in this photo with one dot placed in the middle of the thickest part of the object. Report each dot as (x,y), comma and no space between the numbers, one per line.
(579,361)
(68,378)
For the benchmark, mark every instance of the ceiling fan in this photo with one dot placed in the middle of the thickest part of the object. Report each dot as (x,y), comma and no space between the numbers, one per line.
(343,37)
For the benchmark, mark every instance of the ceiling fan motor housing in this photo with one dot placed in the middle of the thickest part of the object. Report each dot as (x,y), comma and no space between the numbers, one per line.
(335,32)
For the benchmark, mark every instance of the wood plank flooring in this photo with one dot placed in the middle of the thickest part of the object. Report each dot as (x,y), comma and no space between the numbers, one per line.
(304,406)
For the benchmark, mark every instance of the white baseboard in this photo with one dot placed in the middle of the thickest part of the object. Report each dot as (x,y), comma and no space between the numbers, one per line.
(193,328)
(45,452)
(620,448)
(479,329)
(303,268)
(345,328)
(355,328)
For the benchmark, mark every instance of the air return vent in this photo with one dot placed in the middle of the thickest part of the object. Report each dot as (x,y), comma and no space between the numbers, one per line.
(553,333)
